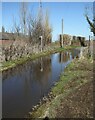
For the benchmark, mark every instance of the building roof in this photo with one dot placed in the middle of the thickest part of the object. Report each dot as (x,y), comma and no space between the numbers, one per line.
(6,36)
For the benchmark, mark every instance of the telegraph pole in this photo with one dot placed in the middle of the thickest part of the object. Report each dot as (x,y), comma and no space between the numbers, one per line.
(89,41)
(62,34)
(40,4)
(89,46)
(40,9)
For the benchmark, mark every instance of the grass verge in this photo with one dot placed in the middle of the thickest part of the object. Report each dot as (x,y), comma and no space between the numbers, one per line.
(75,77)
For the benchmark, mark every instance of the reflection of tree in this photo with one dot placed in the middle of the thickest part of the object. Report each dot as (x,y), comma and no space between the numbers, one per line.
(41,65)
(10,72)
(64,56)
(37,69)
(75,53)
(28,76)
(29,72)
(42,69)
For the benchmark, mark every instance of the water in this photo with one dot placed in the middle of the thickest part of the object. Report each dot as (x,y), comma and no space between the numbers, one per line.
(25,85)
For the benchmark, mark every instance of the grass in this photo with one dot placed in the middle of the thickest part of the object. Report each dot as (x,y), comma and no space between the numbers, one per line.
(77,74)
(12,63)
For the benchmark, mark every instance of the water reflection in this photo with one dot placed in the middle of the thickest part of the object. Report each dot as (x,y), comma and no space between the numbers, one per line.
(24,85)
(64,56)
(75,53)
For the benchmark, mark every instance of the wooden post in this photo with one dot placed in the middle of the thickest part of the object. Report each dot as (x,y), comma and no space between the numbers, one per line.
(41,39)
(89,46)
(89,40)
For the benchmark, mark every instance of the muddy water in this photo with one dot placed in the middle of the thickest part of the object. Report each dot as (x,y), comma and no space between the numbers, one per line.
(25,85)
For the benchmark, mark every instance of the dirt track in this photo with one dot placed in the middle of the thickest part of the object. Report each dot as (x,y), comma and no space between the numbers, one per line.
(78,104)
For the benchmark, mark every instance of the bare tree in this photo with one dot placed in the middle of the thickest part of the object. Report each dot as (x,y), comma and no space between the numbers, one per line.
(31,25)
(47,29)
(37,27)
(37,31)
(91,23)
(17,28)
(23,17)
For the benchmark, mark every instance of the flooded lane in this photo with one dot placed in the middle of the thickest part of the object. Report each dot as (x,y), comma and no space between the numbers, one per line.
(25,85)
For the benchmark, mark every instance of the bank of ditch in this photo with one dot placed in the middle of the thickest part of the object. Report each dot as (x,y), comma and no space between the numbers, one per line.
(72,95)
(12,63)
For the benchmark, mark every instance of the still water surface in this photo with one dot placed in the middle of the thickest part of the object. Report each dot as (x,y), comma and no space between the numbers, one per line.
(25,85)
